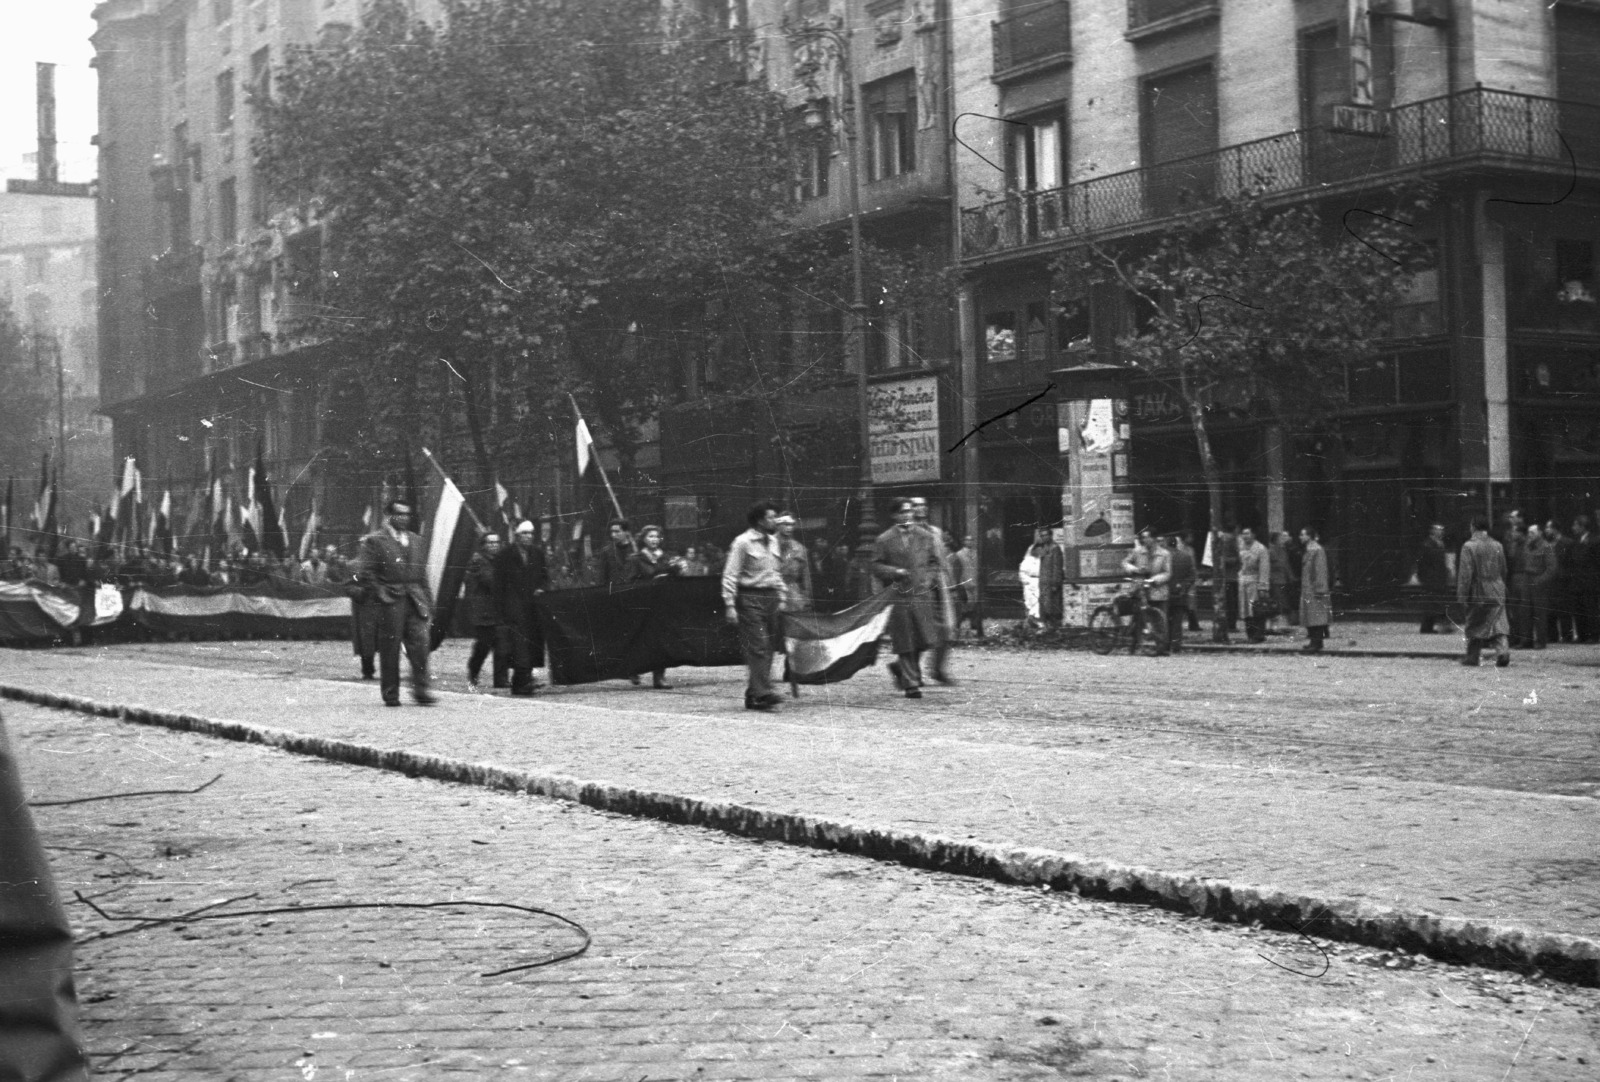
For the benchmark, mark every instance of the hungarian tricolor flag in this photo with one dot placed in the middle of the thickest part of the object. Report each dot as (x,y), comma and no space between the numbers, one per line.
(824,649)
(450,545)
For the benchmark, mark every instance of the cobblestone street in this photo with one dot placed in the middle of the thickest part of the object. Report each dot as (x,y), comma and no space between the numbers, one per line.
(712,957)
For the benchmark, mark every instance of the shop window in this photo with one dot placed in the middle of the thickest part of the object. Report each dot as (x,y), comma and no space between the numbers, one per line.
(1036,333)
(1425,376)
(1000,337)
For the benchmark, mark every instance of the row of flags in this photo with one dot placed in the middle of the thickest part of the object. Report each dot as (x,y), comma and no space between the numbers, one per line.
(256,521)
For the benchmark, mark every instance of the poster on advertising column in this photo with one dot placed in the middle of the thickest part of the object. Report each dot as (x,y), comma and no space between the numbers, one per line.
(1096,511)
(904,423)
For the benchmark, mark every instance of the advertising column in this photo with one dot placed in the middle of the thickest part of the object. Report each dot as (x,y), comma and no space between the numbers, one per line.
(1096,503)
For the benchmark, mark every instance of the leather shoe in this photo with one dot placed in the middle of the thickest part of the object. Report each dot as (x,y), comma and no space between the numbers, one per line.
(661,684)
(423,697)
(913,693)
(391,702)
(1503,661)
(898,674)
(522,692)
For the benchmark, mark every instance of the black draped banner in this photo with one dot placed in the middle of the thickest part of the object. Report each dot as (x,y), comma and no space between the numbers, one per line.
(613,632)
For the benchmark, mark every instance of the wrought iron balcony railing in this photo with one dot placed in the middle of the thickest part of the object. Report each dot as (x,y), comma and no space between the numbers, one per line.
(1032,35)
(1475,124)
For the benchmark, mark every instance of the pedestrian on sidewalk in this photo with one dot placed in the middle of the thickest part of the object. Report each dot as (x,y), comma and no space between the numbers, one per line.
(484,604)
(964,575)
(752,597)
(796,567)
(1514,540)
(393,565)
(1151,564)
(1433,572)
(1180,599)
(1183,541)
(1585,580)
(907,558)
(1255,584)
(1481,586)
(1540,558)
(365,612)
(1282,574)
(1316,594)
(651,561)
(520,576)
(1559,625)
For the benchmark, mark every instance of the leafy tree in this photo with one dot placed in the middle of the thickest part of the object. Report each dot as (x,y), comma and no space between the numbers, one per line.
(510,195)
(1260,305)
(27,405)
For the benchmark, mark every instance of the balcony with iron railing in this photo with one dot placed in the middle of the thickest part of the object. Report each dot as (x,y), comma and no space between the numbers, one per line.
(1474,127)
(1031,39)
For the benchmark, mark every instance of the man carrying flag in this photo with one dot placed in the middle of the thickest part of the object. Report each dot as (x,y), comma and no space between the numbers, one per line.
(907,558)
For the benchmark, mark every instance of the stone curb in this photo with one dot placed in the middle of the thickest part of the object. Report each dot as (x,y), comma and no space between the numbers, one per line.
(1563,957)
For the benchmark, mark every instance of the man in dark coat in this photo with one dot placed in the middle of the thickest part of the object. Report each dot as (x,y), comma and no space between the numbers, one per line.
(73,566)
(1585,580)
(1433,572)
(1559,626)
(520,576)
(616,553)
(907,557)
(484,605)
(393,564)
(1514,541)
(1481,587)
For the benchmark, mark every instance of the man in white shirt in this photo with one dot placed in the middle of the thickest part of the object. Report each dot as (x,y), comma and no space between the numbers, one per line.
(752,598)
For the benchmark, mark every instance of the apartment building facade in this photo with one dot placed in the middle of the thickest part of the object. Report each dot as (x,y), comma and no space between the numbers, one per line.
(206,352)
(1104,123)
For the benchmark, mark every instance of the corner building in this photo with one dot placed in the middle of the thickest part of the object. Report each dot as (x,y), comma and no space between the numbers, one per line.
(1105,122)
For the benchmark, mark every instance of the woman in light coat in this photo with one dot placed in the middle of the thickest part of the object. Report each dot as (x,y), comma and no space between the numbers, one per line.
(1029,570)
(1316,596)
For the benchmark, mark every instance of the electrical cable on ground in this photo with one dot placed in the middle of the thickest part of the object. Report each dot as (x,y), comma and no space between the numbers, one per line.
(195,915)
(118,796)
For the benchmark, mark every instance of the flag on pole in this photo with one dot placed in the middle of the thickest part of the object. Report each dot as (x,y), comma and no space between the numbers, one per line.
(52,533)
(308,538)
(161,531)
(269,524)
(123,513)
(450,545)
(502,503)
(44,493)
(824,649)
(585,446)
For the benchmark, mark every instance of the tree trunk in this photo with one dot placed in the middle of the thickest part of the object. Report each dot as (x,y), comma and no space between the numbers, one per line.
(1208,467)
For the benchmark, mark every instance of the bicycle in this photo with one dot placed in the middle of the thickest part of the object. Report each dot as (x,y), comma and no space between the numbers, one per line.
(1129,620)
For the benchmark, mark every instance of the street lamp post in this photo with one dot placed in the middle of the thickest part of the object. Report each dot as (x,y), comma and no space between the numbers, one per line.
(809,43)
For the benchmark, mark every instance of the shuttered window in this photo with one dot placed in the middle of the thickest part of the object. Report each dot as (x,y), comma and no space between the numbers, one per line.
(891,113)
(1180,114)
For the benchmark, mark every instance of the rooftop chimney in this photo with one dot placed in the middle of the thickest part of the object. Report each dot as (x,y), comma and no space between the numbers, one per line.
(48,172)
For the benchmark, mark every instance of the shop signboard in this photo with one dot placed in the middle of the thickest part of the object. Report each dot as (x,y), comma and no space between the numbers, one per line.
(903,418)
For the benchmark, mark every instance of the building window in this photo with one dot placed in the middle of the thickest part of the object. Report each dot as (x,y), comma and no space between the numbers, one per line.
(38,266)
(225,101)
(1030,31)
(813,152)
(227,211)
(1575,271)
(1036,333)
(221,11)
(1000,337)
(1179,121)
(893,341)
(178,52)
(1034,153)
(261,75)
(1145,12)
(1577,37)
(890,106)
(227,311)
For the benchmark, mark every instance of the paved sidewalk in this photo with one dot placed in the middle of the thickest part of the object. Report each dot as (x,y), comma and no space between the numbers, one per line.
(712,957)
(1486,856)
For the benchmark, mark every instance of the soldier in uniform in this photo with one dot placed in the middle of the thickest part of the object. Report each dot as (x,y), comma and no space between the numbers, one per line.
(484,606)
(907,557)
(393,566)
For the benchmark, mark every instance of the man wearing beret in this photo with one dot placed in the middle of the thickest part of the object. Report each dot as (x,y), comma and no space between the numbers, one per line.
(393,564)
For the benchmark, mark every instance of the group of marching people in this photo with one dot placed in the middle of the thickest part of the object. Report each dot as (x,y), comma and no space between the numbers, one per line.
(911,557)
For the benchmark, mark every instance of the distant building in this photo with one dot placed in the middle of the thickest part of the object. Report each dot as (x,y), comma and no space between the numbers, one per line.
(48,280)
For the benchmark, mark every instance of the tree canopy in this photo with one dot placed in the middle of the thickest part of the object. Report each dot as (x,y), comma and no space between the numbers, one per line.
(505,185)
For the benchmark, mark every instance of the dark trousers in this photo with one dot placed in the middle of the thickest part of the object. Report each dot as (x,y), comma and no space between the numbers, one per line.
(1315,637)
(1230,603)
(524,648)
(1502,649)
(1178,611)
(400,625)
(487,639)
(760,636)
(1585,619)
(1519,609)
(1559,626)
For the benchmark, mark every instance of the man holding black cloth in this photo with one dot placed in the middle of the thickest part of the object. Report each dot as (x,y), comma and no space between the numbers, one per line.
(520,576)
